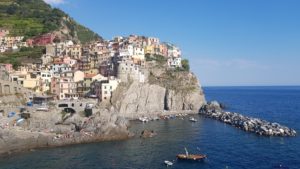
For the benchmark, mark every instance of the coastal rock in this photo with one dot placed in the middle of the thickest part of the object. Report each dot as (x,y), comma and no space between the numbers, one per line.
(142,99)
(47,129)
(181,93)
(212,106)
(261,127)
(148,134)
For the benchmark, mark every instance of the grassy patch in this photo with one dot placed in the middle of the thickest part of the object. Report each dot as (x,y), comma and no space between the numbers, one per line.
(31,18)
(158,58)
(15,57)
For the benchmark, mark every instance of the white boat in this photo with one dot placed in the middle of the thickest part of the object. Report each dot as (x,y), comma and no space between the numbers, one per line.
(43,108)
(192,119)
(144,119)
(168,163)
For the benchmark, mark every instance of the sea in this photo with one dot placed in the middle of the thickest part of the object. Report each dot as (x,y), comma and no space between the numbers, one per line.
(226,147)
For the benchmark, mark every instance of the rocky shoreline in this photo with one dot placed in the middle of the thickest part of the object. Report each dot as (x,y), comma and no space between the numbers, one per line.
(261,127)
(22,141)
(54,129)
(43,131)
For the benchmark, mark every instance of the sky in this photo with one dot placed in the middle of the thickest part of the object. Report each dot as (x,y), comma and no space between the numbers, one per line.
(228,42)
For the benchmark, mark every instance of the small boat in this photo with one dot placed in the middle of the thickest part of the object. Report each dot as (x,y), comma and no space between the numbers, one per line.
(144,119)
(43,108)
(192,157)
(168,163)
(192,119)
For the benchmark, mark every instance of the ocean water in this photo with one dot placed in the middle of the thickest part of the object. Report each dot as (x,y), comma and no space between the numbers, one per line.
(225,146)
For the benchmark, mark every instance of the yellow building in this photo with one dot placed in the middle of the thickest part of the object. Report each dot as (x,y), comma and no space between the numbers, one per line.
(91,71)
(74,51)
(32,82)
(149,49)
(153,50)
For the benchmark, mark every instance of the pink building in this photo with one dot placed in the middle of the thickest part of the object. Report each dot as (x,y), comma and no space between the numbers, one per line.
(43,40)
(6,67)
(2,34)
(69,61)
(64,88)
(29,42)
(163,49)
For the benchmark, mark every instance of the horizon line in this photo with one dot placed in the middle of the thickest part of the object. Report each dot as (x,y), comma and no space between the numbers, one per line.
(250,85)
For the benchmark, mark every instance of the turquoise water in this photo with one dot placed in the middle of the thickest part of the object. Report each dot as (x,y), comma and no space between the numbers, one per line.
(225,146)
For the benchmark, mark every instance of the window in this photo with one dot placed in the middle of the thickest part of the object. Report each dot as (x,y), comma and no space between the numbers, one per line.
(63,105)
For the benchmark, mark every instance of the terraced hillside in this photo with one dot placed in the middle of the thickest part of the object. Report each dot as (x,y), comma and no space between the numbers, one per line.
(35,17)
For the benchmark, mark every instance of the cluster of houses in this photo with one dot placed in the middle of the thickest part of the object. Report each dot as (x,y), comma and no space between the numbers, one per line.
(9,43)
(71,71)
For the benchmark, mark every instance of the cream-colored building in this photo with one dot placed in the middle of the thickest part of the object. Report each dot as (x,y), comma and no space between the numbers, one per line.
(108,88)
(138,53)
(32,82)
(78,76)
(99,78)
(74,51)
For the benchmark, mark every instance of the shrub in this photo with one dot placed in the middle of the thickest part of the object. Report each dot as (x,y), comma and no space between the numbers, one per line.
(185,65)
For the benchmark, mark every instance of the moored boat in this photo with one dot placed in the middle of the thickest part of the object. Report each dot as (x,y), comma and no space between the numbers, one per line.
(144,119)
(192,119)
(168,163)
(193,157)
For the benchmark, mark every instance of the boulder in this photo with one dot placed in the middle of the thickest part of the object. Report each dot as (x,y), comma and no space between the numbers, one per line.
(148,134)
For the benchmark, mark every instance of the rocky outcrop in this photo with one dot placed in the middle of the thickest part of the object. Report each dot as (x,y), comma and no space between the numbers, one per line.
(141,99)
(148,134)
(176,101)
(255,125)
(49,130)
(145,99)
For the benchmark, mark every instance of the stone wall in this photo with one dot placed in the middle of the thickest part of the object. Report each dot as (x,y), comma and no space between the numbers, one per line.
(10,88)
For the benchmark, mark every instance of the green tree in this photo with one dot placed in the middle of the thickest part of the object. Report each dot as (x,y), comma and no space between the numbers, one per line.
(185,65)
(12,9)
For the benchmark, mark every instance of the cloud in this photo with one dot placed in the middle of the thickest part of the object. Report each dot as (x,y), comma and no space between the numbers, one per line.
(55,2)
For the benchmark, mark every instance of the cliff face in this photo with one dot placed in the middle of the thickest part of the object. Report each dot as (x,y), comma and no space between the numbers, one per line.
(173,92)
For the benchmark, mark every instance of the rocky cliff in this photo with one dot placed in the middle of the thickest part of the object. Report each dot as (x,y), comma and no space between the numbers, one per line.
(166,91)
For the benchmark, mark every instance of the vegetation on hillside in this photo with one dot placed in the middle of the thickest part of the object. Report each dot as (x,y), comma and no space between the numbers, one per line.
(185,65)
(158,58)
(35,17)
(179,81)
(15,58)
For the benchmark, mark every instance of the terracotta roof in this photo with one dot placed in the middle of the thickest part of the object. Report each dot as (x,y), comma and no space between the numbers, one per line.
(58,62)
(89,75)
